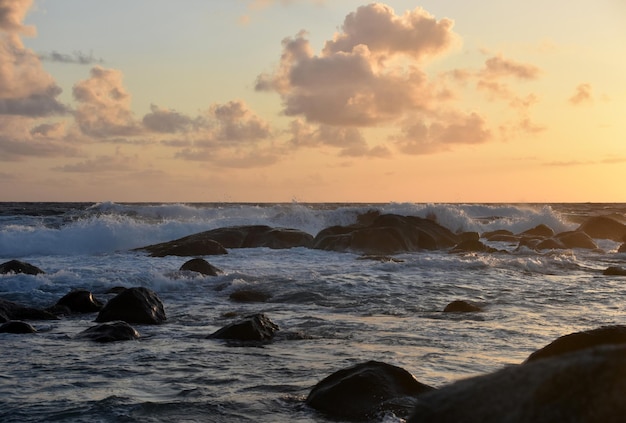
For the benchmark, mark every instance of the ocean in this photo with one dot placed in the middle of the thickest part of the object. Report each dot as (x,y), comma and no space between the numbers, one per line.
(345,310)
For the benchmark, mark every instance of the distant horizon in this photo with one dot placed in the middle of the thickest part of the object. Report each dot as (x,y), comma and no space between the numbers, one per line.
(254,101)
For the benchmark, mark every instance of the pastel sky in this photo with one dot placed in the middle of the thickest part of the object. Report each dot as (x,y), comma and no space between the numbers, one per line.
(313,100)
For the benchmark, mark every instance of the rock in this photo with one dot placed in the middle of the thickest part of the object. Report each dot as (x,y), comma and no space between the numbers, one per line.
(622,248)
(16,266)
(134,305)
(586,386)
(250,296)
(387,234)
(116,290)
(13,311)
(580,340)
(382,259)
(80,301)
(255,236)
(16,326)
(110,332)
(469,236)
(256,327)
(472,245)
(491,235)
(363,391)
(576,239)
(192,245)
(549,244)
(462,306)
(202,266)
(603,227)
(614,271)
(539,231)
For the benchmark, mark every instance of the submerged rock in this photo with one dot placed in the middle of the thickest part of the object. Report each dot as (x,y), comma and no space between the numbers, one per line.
(80,301)
(462,306)
(250,296)
(17,327)
(614,271)
(256,327)
(134,305)
(586,386)
(16,266)
(580,340)
(363,391)
(192,245)
(110,332)
(13,311)
(472,246)
(202,266)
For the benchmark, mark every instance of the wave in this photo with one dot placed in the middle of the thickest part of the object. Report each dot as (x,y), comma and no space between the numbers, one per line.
(109,227)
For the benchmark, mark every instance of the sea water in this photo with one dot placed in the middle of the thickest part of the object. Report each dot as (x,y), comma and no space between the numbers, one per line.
(342,310)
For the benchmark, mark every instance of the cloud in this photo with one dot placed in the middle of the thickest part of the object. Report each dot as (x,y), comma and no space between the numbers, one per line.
(582,95)
(104,163)
(77,57)
(104,105)
(166,121)
(25,87)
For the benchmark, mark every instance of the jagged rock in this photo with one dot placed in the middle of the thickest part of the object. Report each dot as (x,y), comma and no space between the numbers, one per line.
(17,327)
(586,386)
(80,301)
(134,305)
(110,332)
(579,340)
(462,306)
(603,227)
(16,266)
(363,391)
(202,266)
(256,327)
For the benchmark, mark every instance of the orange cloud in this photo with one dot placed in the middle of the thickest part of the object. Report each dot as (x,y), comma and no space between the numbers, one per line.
(582,95)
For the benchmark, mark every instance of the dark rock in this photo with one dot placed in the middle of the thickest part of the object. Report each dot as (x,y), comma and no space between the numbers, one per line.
(250,296)
(110,332)
(462,306)
(576,239)
(539,231)
(18,327)
(468,236)
(387,234)
(202,266)
(134,305)
(549,244)
(13,311)
(586,387)
(614,271)
(471,245)
(80,301)
(622,248)
(192,245)
(603,227)
(382,259)
(580,340)
(363,391)
(504,238)
(16,266)
(256,327)
(255,236)
(116,290)
(489,236)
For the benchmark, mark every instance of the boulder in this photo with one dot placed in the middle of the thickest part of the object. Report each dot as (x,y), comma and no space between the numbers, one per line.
(586,386)
(134,305)
(579,340)
(462,306)
(472,246)
(80,301)
(17,327)
(364,391)
(13,311)
(16,266)
(576,239)
(603,227)
(493,235)
(622,248)
(202,266)
(539,231)
(250,296)
(614,271)
(256,327)
(192,245)
(110,332)
(387,234)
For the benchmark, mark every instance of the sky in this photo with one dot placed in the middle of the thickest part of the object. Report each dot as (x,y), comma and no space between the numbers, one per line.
(313,101)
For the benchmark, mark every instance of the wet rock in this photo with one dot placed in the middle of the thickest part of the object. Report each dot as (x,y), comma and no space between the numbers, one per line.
(13,311)
(256,327)
(80,301)
(603,227)
(586,386)
(387,234)
(576,239)
(469,236)
(622,248)
(472,246)
(202,266)
(499,235)
(462,306)
(192,245)
(17,327)
(110,332)
(581,340)
(116,290)
(16,266)
(614,271)
(134,305)
(250,296)
(363,391)
(539,231)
